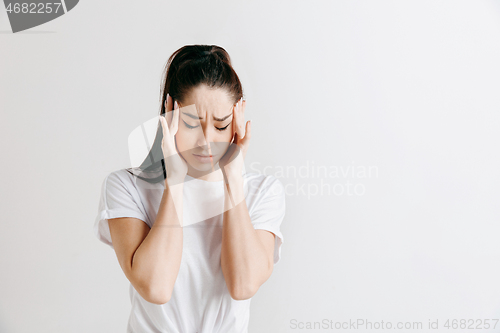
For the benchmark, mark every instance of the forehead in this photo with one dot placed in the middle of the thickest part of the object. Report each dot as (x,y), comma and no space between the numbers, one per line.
(211,101)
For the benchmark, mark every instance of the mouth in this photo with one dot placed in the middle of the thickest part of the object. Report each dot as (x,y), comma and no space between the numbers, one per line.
(203,158)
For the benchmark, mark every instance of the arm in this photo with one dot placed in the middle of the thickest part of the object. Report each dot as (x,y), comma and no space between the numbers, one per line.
(152,266)
(246,253)
(151,259)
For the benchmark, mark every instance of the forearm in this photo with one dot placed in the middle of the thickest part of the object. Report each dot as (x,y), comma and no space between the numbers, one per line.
(157,260)
(242,253)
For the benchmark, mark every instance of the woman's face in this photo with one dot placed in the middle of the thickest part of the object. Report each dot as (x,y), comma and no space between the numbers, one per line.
(205,128)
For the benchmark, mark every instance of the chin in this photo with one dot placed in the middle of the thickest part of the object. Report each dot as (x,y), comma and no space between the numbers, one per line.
(197,165)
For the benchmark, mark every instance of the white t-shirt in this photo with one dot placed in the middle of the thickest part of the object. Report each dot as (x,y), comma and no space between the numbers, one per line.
(200,301)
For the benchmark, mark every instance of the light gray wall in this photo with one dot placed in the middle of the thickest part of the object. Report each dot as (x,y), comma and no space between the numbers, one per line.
(407,88)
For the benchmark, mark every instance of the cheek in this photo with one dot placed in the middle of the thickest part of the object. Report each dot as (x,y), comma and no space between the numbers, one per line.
(184,140)
(222,140)
(227,135)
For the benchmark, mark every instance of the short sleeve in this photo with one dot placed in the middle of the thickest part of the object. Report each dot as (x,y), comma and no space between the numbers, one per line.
(270,212)
(117,200)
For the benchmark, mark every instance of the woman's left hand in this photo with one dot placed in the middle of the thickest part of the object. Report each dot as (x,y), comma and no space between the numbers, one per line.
(232,162)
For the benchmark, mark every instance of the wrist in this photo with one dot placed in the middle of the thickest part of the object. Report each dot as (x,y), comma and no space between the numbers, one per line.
(233,178)
(233,190)
(231,173)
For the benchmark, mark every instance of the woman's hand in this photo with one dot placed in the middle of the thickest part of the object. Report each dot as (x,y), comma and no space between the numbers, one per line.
(232,162)
(175,165)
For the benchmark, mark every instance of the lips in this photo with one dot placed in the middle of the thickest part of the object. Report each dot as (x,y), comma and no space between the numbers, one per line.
(204,158)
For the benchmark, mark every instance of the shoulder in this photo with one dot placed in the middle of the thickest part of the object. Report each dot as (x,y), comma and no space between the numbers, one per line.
(121,178)
(117,175)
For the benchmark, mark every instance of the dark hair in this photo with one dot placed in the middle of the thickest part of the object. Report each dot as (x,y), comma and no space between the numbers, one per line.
(187,68)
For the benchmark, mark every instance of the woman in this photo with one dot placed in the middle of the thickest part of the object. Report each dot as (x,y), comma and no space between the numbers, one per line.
(195,235)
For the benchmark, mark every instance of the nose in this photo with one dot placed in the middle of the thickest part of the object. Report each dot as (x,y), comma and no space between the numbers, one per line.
(204,138)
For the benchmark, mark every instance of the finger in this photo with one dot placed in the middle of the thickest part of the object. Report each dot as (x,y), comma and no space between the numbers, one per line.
(243,105)
(164,126)
(248,135)
(233,125)
(245,143)
(168,103)
(242,112)
(175,115)
(168,108)
(248,131)
(241,121)
(236,123)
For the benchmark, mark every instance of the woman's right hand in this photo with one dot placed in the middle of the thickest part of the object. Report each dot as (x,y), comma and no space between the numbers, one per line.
(175,165)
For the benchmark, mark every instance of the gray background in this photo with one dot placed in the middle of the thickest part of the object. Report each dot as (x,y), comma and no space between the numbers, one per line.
(411,88)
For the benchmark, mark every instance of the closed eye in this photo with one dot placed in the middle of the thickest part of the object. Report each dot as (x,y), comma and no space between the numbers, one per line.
(223,128)
(189,126)
(217,128)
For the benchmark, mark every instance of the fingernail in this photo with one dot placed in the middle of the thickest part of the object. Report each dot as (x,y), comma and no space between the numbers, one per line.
(175,105)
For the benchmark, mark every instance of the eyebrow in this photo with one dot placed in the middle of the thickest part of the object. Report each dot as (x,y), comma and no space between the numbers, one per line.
(215,118)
